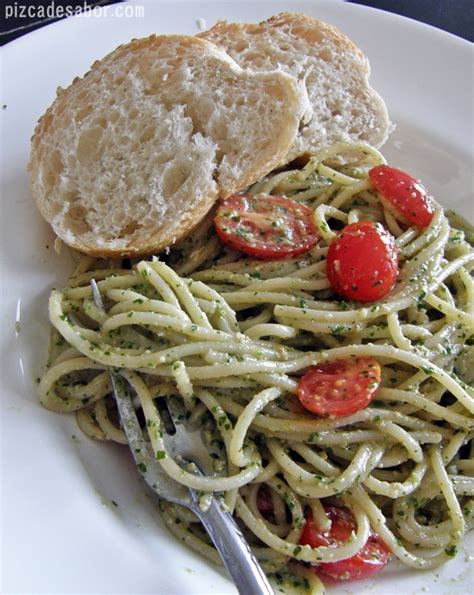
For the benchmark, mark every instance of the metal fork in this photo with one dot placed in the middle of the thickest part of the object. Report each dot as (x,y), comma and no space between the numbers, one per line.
(225,534)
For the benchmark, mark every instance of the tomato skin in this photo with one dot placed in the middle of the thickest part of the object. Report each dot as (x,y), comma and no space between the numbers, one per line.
(362,262)
(403,194)
(342,525)
(339,388)
(264,226)
(370,559)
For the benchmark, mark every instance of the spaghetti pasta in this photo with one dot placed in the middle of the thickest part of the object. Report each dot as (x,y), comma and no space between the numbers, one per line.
(231,336)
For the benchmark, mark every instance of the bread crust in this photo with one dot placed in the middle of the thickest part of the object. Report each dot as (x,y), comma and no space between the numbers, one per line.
(58,129)
(302,25)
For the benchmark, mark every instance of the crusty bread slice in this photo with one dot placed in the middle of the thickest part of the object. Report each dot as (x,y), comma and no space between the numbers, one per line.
(130,157)
(335,72)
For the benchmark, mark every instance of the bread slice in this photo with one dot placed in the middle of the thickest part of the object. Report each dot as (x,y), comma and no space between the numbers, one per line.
(335,72)
(130,157)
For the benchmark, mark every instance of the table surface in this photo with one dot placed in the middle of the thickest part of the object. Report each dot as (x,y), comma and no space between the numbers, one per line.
(454,16)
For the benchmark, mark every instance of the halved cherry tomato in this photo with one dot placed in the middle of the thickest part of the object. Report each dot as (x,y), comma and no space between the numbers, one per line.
(362,262)
(404,195)
(341,387)
(369,560)
(264,226)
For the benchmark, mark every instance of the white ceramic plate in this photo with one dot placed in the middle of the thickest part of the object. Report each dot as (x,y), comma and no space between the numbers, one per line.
(61,532)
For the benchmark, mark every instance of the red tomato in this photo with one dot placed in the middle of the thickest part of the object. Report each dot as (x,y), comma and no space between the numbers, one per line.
(265,226)
(341,387)
(369,560)
(362,262)
(404,195)
(264,502)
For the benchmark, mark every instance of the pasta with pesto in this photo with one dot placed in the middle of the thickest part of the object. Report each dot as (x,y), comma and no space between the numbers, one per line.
(231,336)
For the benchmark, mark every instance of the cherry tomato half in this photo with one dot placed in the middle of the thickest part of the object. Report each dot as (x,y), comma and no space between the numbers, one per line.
(403,195)
(369,560)
(362,262)
(264,226)
(341,387)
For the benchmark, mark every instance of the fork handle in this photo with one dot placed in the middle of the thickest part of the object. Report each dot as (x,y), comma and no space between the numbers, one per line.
(234,550)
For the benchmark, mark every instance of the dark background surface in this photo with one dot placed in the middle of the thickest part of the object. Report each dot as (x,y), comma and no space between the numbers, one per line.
(454,16)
